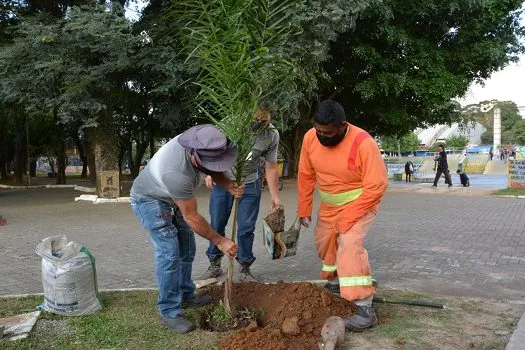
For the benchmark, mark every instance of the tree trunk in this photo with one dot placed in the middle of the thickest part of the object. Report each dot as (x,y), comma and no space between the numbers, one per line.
(51,162)
(139,154)
(151,145)
(80,145)
(20,154)
(61,164)
(121,154)
(105,147)
(90,154)
(84,160)
(32,170)
(291,141)
(3,168)
(4,158)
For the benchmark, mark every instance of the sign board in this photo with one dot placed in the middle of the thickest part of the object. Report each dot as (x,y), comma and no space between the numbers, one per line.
(517,174)
(109,184)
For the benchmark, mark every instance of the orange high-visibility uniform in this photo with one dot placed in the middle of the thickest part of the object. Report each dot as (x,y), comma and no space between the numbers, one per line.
(351,179)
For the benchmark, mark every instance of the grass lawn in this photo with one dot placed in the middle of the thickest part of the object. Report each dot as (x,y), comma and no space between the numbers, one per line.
(129,321)
(509,192)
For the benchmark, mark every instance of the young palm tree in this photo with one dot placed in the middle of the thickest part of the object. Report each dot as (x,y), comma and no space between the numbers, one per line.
(233,48)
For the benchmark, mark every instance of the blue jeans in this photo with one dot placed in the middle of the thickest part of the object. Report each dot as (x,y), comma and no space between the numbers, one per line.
(174,244)
(221,203)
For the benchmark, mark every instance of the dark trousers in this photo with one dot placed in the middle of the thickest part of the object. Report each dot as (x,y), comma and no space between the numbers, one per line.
(440,172)
(408,177)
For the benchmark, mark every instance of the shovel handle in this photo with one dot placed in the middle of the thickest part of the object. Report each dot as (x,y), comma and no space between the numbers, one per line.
(423,303)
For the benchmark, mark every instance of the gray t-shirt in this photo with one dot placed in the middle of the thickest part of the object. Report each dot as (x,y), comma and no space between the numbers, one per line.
(266,145)
(169,174)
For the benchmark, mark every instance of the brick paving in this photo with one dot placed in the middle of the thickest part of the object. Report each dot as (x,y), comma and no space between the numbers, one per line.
(426,242)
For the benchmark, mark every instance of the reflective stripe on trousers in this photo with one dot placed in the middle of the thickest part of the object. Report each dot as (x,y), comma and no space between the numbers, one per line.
(355,281)
(329,268)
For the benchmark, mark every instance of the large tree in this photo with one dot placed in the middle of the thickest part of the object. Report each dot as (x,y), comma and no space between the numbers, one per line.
(403,62)
(75,69)
(406,60)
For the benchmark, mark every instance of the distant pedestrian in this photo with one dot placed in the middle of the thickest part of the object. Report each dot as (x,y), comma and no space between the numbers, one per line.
(465,181)
(409,170)
(3,221)
(491,153)
(441,167)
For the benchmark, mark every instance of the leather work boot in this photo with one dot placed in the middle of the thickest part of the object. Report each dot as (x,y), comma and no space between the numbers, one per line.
(214,270)
(179,325)
(245,274)
(365,317)
(197,301)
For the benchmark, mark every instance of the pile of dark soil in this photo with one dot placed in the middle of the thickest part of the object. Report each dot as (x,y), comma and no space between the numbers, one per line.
(291,315)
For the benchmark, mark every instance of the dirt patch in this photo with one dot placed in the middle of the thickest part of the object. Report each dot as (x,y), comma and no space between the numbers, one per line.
(217,319)
(291,315)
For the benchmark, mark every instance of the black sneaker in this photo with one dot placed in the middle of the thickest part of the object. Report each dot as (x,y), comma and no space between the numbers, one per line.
(179,325)
(364,318)
(214,270)
(197,301)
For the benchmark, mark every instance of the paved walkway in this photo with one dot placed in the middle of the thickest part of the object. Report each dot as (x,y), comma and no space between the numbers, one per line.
(428,242)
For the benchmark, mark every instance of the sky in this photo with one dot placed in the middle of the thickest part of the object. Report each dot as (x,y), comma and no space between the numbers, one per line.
(504,85)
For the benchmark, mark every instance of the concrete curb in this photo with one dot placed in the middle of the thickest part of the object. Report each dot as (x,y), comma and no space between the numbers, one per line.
(100,290)
(75,187)
(510,196)
(22,187)
(84,197)
(517,339)
(97,200)
(85,189)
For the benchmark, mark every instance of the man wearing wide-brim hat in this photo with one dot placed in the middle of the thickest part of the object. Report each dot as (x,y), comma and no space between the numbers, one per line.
(163,199)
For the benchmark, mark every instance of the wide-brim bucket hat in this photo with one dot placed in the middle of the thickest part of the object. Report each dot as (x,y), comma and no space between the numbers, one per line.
(209,145)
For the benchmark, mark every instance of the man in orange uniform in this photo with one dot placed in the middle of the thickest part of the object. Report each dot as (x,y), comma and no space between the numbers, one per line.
(346,165)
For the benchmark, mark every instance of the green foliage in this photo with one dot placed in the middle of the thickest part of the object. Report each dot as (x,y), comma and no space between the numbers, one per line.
(72,67)
(407,143)
(458,141)
(517,134)
(219,316)
(233,47)
(394,75)
(510,120)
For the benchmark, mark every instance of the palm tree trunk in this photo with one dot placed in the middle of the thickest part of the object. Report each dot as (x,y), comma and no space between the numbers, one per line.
(229,277)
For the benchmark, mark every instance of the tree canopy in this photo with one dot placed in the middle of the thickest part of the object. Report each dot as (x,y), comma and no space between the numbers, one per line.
(406,143)
(394,65)
(405,61)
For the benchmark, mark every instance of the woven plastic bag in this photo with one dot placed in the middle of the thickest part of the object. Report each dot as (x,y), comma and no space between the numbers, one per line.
(69,277)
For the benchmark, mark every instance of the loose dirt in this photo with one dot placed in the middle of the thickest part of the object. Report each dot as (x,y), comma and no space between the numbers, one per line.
(291,315)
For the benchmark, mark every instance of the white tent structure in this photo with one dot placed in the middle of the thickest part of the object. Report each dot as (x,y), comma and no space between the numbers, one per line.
(436,133)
